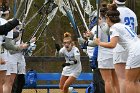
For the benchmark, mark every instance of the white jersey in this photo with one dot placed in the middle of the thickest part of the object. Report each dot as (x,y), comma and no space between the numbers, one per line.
(128,17)
(90,50)
(9,35)
(5,55)
(129,41)
(127,37)
(103,53)
(70,55)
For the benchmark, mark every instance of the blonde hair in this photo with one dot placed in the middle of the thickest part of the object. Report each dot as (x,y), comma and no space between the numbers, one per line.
(67,35)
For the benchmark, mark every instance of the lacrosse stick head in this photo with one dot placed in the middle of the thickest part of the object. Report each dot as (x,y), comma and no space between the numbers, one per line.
(93,15)
(85,4)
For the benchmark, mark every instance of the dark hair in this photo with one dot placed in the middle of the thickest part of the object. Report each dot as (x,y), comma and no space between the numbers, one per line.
(113,13)
(103,9)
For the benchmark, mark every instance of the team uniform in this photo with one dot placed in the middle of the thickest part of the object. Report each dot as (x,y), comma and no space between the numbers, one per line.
(105,55)
(90,50)
(19,60)
(11,66)
(2,53)
(75,69)
(129,18)
(129,41)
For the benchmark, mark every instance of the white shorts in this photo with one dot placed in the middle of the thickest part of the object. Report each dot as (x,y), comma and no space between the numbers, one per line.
(120,57)
(11,68)
(133,62)
(21,68)
(74,74)
(106,64)
(3,67)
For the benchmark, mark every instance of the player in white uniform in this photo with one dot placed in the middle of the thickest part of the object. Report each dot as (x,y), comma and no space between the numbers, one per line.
(3,67)
(5,27)
(128,17)
(105,55)
(16,64)
(11,65)
(18,57)
(128,39)
(3,55)
(20,60)
(72,67)
(105,62)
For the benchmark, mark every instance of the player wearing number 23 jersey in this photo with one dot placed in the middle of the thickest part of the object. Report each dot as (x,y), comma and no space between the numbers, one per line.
(128,17)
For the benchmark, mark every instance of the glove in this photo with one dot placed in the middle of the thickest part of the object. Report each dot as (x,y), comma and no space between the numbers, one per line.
(66,64)
(72,62)
(32,46)
(57,46)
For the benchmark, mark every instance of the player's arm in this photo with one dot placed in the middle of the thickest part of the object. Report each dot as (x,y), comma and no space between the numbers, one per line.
(10,45)
(4,29)
(111,44)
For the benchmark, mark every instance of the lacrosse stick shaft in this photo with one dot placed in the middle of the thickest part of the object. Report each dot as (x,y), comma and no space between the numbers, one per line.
(15,7)
(71,19)
(98,10)
(70,2)
(20,5)
(81,15)
(27,8)
(70,15)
